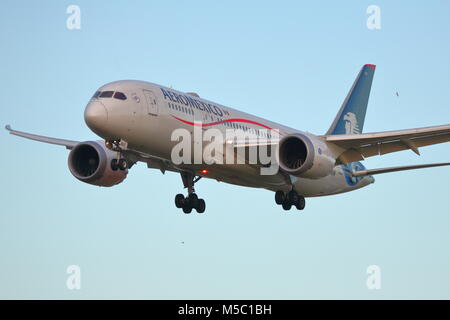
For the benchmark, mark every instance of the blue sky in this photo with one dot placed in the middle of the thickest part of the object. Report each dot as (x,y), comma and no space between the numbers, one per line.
(286,61)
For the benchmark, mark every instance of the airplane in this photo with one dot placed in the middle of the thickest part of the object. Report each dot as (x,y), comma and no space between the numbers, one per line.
(136,121)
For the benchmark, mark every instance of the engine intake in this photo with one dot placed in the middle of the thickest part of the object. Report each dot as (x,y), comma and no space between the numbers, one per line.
(304,156)
(293,153)
(90,162)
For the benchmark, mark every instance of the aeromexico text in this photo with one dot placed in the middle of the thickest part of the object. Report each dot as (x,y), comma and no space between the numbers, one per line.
(193,103)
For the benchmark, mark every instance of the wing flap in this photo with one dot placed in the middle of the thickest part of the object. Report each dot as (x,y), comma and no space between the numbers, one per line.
(359,146)
(362,139)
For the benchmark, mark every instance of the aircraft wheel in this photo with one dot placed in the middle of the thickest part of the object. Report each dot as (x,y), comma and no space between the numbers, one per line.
(122,164)
(187,208)
(286,205)
(201,206)
(193,196)
(293,197)
(192,200)
(279,197)
(114,165)
(179,200)
(301,203)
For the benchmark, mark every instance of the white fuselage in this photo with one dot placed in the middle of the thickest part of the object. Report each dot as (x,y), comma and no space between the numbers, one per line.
(149,115)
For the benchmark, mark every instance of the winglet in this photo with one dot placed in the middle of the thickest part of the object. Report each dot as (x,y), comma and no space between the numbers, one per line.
(8,127)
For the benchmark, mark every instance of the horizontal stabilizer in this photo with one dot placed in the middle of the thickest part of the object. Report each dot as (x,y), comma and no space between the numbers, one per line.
(371,172)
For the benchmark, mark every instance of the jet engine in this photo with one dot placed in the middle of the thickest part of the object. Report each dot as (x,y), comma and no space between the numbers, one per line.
(90,162)
(305,156)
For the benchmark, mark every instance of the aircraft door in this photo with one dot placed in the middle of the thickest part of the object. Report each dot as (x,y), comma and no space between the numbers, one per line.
(152,103)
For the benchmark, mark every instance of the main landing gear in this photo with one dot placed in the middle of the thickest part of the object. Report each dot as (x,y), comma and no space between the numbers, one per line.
(289,199)
(192,201)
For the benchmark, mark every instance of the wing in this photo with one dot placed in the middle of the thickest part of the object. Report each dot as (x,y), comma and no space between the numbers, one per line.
(69,144)
(371,172)
(132,155)
(359,146)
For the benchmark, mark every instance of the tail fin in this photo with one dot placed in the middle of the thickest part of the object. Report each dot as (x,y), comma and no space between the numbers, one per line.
(351,115)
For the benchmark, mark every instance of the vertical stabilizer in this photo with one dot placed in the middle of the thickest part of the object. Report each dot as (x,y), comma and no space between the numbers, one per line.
(351,115)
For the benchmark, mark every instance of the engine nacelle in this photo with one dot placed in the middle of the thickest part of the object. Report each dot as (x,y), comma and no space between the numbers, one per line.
(305,156)
(90,162)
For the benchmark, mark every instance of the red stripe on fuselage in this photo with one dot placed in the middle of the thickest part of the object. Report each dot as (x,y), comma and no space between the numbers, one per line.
(219,122)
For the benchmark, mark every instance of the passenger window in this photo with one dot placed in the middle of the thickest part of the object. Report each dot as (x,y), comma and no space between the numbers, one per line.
(106,94)
(120,95)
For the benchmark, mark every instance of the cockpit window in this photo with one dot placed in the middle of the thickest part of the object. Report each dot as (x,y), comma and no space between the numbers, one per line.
(120,95)
(109,94)
(106,94)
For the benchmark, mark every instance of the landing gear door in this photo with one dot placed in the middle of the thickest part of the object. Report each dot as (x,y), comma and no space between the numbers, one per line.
(152,105)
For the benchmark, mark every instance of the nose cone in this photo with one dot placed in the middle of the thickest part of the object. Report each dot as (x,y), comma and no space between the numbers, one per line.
(371,179)
(96,116)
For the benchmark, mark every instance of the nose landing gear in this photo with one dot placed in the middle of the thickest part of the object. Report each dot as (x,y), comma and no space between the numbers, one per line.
(119,164)
(192,201)
(289,199)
